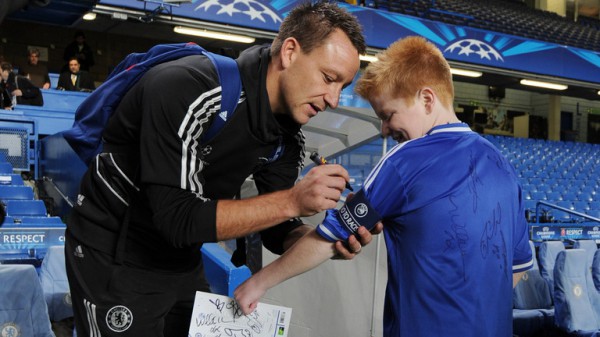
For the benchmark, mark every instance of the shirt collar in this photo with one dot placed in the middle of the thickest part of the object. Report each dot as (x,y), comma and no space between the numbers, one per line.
(450,127)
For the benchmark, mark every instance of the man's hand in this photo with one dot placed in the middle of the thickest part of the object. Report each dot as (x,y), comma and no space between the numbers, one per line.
(320,189)
(355,245)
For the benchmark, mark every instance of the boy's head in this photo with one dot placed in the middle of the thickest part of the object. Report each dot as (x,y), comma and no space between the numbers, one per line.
(405,67)
(410,88)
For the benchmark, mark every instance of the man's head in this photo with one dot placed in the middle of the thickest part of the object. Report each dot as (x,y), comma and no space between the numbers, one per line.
(33,55)
(6,69)
(79,37)
(410,88)
(74,65)
(311,24)
(313,57)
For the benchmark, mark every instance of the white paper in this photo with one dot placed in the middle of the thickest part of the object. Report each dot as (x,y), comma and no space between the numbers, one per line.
(220,316)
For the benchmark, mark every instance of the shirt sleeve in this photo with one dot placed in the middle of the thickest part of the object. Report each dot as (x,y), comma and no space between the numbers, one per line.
(174,97)
(377,200)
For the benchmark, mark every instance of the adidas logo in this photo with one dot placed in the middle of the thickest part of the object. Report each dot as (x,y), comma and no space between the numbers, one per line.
(223,115)
(78,251)
(80,199)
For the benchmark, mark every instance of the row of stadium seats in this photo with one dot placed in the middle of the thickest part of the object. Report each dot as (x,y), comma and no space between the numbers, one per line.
(575,186)
(561,292)
(35,291)
(508,17)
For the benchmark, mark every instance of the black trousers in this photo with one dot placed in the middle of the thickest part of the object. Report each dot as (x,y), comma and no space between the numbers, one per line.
(116,300)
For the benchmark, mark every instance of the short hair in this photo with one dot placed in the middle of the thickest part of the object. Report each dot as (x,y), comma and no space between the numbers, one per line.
(311,24)
(78,34)
(74,58)
(32,51)
(6,66)
(406,66)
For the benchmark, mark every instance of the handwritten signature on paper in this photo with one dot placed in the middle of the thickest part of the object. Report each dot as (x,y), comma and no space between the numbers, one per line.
(228,313)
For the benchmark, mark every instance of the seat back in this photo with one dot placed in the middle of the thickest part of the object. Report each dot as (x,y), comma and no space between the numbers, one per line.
(572,306)
(596,270)
(590,248)
(16,192)
(547,254)
(532,291)
(222,275)
(21,208)
(23,311)
(55,285)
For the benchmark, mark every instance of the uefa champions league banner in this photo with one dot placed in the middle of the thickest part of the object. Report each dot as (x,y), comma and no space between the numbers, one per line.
(381,28)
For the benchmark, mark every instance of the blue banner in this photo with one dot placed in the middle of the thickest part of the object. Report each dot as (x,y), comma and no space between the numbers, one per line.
(557,231)
(15,238)
(381,28)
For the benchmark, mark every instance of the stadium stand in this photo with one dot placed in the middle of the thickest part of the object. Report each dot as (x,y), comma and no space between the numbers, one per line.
(508,17)
(563,174)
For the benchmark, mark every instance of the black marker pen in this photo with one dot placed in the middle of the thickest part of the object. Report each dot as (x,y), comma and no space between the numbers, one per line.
(318,160)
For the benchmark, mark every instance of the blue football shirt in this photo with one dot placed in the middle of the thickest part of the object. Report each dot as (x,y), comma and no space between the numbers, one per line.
(455,232)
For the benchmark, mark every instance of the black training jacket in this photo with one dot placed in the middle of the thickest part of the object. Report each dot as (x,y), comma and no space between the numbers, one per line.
(154,164)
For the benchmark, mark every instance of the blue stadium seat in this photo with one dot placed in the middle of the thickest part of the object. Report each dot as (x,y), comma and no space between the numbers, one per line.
(11,179)
(222,275)
(42,221)
(574,312)
(23,310)
(55,285)
(9,192)
(6,167)
(596,270)
(21,208)
(533,311)
(590,247)
(547,253)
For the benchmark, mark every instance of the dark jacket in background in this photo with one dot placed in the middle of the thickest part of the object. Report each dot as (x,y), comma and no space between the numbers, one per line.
(84,82)
(32,95)
(5,98)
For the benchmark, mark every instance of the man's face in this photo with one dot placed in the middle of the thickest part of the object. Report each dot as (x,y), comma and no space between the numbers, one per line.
(34,58)
(5,74)
(312,82)
(400,119)
(74,66)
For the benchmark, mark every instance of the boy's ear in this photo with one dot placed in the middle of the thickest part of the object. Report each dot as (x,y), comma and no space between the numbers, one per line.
(427,98)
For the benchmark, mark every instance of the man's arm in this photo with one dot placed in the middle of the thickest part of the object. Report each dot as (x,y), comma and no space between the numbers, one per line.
(309,252)
(318,191)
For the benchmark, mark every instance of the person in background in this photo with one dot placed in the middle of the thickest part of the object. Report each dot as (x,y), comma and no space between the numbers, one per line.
(158,191)
(6,101)
(79,49)
(25,91)
(456,235)
(75,79)
(36,71)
